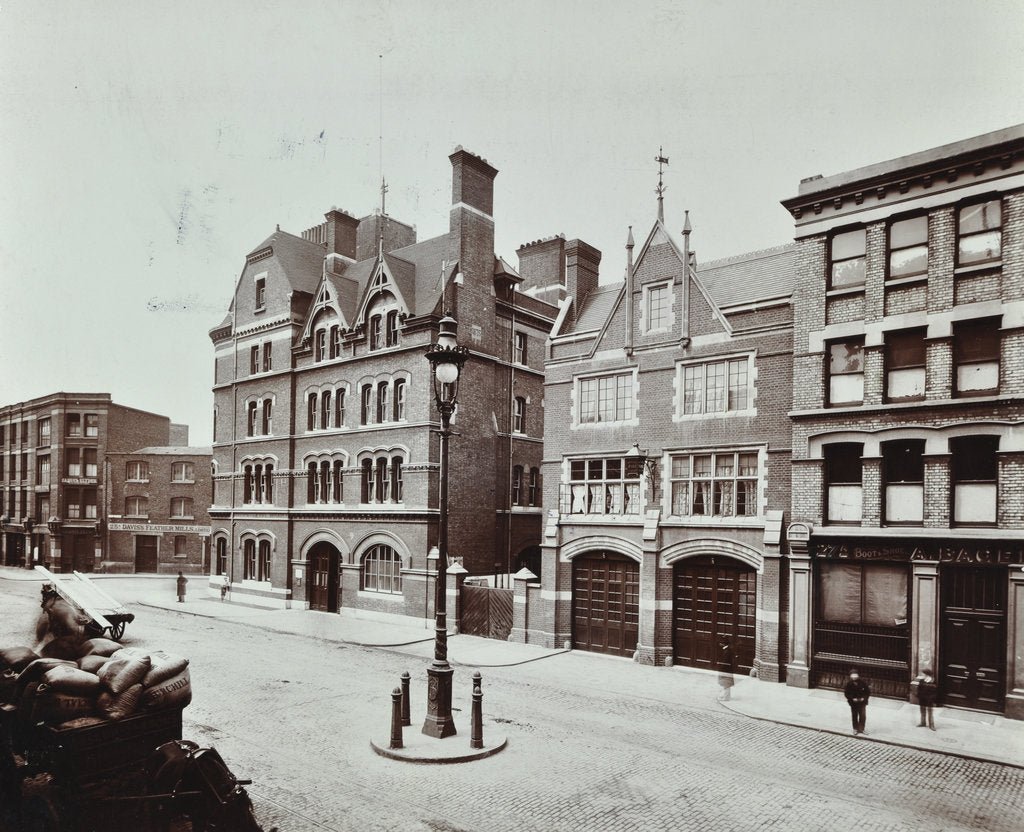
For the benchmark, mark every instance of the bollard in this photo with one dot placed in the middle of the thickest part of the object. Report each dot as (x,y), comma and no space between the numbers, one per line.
(405,699)
(478,681)
(396,718)
(476,731)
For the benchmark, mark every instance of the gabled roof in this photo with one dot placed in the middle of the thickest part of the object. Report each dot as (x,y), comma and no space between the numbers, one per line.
(597,306)
(752,277)
(301,260)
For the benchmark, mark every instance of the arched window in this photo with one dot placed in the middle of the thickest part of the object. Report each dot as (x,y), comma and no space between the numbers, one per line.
(519,415)
(325,409)
(383,401)
(392,326)
(339,489)
(367,404)
(249,552)
(250,419)
(399,399)
(268,484)
(257,483)
(311,411)
(375,333)
(324,485)
(311,482)
(222,556)
(383,483)
(264,561)
(339,408)
(321,345)
(247,484)
(366,489)
(381,570)
(396,479)
(335,341)
(517,485)
(534,499)
(267,417)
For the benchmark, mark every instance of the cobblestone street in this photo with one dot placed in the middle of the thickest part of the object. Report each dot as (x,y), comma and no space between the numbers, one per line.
(296,716)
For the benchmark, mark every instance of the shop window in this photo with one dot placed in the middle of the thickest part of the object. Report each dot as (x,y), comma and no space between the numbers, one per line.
(976,346)
(844,497)
(715,484)
(517,485)
(381,570)
(873,594)
(602,486)
(263,565)
(605,399)
(904,365)
(847,259)
(908,248)
(400,388)
(974,472)
(183,472)
(979,233)
(846,372)
(136,507)
(519,348)
(181,507)
(717,386)
(534,493)
(519,415)
(903,472)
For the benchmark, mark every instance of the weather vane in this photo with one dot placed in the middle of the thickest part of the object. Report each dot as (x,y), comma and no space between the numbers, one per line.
(662,160)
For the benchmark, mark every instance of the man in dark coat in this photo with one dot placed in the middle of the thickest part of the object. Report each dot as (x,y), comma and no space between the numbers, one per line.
(857,694)
(927,693)
(182,580)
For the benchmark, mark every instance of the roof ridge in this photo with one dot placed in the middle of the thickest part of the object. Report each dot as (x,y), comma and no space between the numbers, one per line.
(749,255)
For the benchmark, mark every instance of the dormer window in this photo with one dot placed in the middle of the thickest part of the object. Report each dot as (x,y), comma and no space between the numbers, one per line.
(261,293)
(321,345)
(375,333)
(335,341)
(392,328)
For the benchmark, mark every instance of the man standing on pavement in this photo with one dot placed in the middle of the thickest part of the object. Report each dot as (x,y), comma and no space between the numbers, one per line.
(182,580)
(927,692)
(857,694)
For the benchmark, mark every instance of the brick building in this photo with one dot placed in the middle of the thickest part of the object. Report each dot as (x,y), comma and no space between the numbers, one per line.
(908,447)
(666,472)
(158,515)
(326,456)
(53,453)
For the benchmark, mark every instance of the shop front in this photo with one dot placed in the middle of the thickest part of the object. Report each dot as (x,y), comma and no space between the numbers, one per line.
(895,607)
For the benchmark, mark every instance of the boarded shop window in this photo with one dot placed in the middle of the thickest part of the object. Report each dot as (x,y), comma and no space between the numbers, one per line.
(869,593)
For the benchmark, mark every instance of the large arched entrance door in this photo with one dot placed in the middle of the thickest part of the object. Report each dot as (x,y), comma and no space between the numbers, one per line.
(714,599)
(605,603)
(323,586)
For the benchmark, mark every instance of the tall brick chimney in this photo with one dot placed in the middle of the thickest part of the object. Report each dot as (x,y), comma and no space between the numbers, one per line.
(542,264)
(581,272)
(340,233)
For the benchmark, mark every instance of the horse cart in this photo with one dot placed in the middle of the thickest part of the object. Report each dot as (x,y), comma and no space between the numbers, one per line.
(105,614)
(129,774)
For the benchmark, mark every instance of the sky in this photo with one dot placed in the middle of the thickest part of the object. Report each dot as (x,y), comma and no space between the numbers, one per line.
(146,148)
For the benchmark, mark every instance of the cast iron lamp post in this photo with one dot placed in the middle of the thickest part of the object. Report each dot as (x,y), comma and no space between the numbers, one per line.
(446,359)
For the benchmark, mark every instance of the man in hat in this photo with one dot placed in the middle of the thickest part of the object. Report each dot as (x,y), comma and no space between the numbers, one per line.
(857,693)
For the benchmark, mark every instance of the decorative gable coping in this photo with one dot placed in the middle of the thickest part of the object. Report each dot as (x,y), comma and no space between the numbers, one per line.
(262,254)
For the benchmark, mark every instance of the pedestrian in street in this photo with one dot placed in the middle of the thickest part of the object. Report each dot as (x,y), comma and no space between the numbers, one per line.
(182,580)
(857,693)
(927,692)
(725,669)
(224,588)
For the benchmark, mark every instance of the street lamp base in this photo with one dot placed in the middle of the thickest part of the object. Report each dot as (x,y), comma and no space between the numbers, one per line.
(439,723)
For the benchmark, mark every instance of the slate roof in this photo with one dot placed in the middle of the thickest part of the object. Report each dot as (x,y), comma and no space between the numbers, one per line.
(175,450)
(748,278)
(301,260)
(597,306)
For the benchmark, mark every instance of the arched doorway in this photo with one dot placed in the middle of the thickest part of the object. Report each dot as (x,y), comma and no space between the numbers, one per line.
(323,586)
(714,599)
(605,603)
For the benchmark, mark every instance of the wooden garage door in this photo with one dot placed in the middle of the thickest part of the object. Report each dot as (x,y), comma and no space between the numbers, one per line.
(715,599)
(606,603)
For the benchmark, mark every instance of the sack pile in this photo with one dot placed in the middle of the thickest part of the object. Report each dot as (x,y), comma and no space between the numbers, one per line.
(106,682)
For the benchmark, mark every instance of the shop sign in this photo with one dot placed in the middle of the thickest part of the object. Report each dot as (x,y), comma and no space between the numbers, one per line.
(150,528)
(980,555)
(78,480)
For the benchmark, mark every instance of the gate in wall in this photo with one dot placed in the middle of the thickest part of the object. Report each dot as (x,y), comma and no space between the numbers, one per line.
(486,611)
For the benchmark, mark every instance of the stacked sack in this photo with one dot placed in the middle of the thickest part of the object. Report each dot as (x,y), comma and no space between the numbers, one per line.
(107,682)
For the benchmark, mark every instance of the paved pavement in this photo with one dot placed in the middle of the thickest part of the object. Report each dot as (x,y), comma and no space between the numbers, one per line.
(968,734)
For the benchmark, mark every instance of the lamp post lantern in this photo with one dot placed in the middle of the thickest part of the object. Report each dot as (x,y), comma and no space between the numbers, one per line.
(446,358)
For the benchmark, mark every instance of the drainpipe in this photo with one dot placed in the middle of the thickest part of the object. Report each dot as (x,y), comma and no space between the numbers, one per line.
(684,317)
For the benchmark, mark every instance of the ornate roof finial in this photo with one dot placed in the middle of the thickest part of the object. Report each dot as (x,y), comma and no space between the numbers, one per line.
(661,159)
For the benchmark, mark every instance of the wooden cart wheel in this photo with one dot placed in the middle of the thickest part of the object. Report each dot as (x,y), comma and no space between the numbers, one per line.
(117,630)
